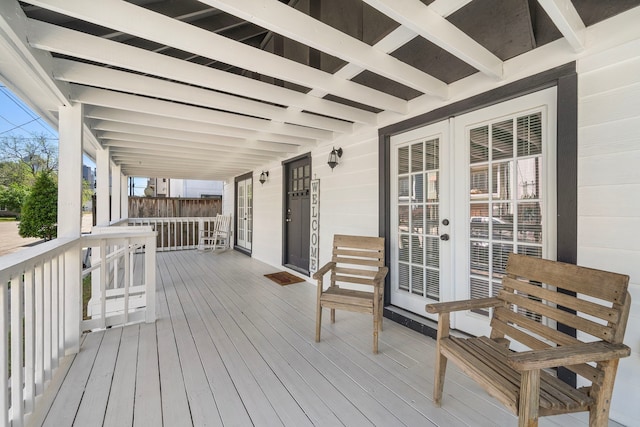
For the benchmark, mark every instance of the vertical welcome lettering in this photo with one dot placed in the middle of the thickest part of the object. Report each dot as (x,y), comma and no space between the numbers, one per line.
(315,226)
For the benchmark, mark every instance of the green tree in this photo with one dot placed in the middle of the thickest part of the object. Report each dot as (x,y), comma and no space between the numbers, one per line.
(13,197)
(12,172)
(40,209)
(36,153)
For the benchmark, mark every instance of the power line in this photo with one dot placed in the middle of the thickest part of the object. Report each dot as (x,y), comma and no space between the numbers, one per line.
(19,104)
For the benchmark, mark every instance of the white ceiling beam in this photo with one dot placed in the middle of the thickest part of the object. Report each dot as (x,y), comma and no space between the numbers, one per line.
(106,98)
(107,78)
(149,159)
(565,17)
(103,114)
(215,160)
(192,138)
(140,22)
(448,7)
(289,22)
(131,170)
(122,142)
(73,43)
(120,139)
(433,27)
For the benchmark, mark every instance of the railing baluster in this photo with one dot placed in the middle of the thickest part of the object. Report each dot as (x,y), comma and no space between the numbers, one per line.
(55,313)
(127,267)
(17,374)
(47,320)
(29,340)
(4,350)
(103,285)
(39,328)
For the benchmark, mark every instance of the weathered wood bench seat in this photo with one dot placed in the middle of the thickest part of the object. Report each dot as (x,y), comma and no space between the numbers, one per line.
(521,380)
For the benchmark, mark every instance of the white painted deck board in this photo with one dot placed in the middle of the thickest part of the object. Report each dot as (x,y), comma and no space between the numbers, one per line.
(230,347)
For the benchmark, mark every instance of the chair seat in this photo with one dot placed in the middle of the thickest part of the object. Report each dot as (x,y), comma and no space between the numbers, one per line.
(486,359)
(338,297)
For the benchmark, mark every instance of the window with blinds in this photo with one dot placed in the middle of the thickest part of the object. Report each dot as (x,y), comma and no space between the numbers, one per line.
(505,200)
(418,219)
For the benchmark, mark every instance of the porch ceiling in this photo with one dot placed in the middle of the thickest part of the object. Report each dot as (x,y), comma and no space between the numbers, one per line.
(214,88)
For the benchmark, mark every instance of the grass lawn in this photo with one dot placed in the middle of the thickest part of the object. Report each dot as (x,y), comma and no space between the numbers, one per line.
(7,219)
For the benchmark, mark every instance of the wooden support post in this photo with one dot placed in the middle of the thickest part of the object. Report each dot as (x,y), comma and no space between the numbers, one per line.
(124,196)
(441,361)
(102,186)
(116,188)
(529,399)
(70,218)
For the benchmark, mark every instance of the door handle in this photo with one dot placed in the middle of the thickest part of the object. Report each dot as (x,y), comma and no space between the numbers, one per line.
(288,219)
(444,237)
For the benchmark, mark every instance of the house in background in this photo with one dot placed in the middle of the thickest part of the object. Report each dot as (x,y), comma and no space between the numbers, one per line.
(467,129)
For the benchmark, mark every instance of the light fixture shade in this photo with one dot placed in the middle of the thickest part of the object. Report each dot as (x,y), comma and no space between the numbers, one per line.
(334,155)
(263,177)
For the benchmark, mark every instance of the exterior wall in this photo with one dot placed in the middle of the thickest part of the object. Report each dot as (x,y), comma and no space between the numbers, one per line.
(608,189)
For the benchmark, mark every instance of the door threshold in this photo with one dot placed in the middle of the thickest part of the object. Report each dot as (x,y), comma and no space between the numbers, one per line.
(298,269)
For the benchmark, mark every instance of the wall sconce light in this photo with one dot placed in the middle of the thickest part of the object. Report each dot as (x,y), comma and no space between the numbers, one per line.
(334,155)
(263,177)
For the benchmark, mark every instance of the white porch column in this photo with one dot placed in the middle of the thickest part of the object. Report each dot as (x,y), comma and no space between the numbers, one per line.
(116,187)
(70,218)
(124,196)
(102,186)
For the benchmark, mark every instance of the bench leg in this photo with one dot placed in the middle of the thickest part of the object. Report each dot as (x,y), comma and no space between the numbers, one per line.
(333,315)
(438,381)
(529,399)
(599,411)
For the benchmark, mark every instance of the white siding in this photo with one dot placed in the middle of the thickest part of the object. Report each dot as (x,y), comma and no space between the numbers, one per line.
(609,189)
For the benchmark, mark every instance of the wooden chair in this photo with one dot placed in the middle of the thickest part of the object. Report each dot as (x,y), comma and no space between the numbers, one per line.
(359,260)
(222,232)
(520,380)
(217,236)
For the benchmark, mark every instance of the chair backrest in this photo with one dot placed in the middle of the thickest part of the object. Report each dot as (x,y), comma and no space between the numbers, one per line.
(602,296)
(222,223)
(357,258)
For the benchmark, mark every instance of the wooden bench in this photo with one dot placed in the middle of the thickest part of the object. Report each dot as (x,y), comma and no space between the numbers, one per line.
(522,380)
(359,260)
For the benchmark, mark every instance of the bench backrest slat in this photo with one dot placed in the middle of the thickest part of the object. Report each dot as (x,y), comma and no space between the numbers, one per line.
(599,284)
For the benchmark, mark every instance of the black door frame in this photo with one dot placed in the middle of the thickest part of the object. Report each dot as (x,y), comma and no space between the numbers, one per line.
(285,178)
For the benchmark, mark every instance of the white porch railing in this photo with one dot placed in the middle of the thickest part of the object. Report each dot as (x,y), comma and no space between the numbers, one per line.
(176,233)
(34,324)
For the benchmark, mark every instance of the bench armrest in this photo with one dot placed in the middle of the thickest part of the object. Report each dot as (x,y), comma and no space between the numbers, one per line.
(469,304)
(328,266)
(567,355)
(380,275)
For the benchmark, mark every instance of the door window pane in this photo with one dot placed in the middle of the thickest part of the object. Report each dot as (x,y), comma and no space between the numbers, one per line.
(418,218)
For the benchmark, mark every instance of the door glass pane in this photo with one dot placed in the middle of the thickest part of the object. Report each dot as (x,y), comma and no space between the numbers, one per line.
(504,204)
(418,218)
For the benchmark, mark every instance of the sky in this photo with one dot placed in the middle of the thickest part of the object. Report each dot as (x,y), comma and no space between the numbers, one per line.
(17,119)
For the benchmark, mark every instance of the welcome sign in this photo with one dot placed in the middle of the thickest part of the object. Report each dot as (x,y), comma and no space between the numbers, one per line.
(314,256)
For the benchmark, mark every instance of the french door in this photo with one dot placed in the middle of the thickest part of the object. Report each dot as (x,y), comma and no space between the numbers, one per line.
(466,192)
(244,213)
(420,217)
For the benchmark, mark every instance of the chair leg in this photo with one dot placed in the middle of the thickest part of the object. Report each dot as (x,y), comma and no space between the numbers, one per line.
(376,326)
(438,380)
(318,321)
(529,399)
(333,315)
(380,313)
(599,411)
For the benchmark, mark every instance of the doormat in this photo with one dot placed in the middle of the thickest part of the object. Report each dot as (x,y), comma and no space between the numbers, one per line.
(284,278)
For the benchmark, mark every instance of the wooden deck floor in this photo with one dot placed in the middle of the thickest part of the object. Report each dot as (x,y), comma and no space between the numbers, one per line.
(232,348)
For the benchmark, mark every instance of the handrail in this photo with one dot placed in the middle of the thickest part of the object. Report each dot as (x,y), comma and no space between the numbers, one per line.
(176,233)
